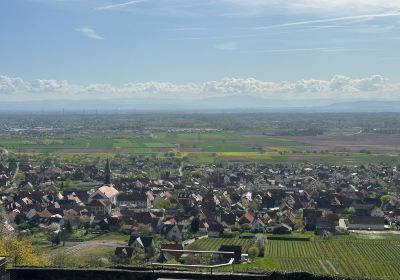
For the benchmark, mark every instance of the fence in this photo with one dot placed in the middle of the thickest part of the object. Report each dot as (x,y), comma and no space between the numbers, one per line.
(193,266)
(4,275)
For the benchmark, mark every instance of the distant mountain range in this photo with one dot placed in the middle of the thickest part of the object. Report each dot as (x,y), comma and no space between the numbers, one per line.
(222,104)
(364,106)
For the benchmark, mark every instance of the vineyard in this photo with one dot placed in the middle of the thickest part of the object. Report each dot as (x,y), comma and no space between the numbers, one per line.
(213,244)
(354,258)
(357,258)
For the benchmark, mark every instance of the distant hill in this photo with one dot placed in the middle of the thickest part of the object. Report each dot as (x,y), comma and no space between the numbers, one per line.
(364,106)
(218,104)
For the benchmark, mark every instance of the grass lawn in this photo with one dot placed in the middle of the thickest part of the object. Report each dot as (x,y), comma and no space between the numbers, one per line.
(264,264)
(91,254)
(112,236)
(47,251)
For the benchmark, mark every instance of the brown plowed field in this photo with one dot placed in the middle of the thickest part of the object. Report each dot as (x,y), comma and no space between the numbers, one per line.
(376,144)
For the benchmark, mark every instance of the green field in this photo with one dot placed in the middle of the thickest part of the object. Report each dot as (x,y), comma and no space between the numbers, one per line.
(229,142)
(213,244)
(194,147)
(356,256)
(92,256)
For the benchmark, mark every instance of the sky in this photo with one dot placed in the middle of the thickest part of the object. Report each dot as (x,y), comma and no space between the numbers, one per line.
(190,49)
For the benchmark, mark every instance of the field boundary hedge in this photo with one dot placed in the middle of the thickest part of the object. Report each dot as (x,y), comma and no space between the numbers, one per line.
(288,238)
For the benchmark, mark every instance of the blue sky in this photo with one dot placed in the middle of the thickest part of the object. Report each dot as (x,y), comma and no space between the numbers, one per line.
(84,43)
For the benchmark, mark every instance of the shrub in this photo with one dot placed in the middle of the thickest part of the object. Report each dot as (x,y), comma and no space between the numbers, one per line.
(253,252)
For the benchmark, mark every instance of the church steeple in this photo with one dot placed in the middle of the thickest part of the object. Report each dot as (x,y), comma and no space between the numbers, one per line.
(107,173)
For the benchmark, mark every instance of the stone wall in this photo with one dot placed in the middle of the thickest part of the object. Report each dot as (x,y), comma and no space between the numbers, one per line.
(121,274)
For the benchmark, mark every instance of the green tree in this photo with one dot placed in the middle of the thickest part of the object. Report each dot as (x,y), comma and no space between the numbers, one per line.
(63,235)
(68,226)
(54,238)
(165,204)
(144,230)
(349,210)
(195,225)
(386,198)
(246,227)
(20,251)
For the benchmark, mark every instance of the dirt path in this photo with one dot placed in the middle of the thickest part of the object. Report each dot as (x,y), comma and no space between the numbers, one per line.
(333,268)
(324,267)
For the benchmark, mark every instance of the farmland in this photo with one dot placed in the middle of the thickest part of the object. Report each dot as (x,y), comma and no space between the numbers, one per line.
(353,258)
(347,255)
(205,138)
(204,143)
(195,147)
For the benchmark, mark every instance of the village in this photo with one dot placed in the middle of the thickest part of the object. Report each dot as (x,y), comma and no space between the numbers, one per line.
(199,202)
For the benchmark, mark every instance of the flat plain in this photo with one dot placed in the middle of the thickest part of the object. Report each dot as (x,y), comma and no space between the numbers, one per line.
(230,145)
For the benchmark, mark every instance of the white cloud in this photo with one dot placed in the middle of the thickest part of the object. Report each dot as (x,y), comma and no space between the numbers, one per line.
(339,87)
(323,8)
(336,19)
(89,32)
(303,50)
(316,7)
(345,6)
(39,85)
(120,5)
(10,85)
(191,29)
(226,46)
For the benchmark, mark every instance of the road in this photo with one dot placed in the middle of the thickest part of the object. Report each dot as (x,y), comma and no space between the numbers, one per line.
(16,171)
(375,232)
(190,241)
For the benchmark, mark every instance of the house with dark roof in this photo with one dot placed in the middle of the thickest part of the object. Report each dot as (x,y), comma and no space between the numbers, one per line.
(282,229)
(76,196)
(227,218)
(237,252)
(168,255)
(310,217)
(123,254)
(142,243)
(324,225)
(215,229)
(362,209)
(258,225)
(366,223)
(99,207)
(172,232)
(133,200)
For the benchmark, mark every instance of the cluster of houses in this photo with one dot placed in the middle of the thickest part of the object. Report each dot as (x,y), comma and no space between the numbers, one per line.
(256,198)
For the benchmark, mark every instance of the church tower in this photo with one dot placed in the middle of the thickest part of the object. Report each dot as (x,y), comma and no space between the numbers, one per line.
(107,173)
